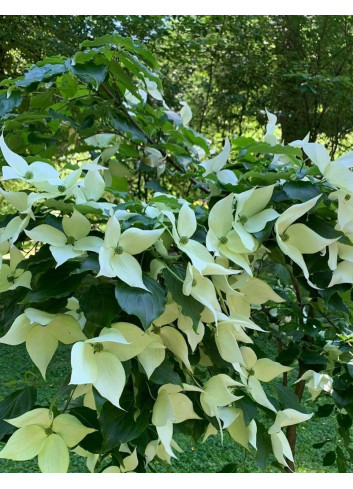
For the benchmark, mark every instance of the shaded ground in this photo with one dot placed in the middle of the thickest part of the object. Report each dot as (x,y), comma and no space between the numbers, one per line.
(208,457)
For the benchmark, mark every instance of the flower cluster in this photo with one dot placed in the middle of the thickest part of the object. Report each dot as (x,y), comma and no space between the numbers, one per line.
(208,268)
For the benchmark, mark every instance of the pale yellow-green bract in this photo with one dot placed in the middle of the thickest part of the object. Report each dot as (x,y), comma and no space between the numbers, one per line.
(213,296)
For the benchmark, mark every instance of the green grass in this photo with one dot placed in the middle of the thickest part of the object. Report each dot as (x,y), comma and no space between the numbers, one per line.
(17,370)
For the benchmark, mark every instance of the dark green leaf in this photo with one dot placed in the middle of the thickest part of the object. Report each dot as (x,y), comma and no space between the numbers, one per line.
(14,405)
(118,426)
(9,103)
(99,305)
(165,374)
(147,306)
(312,358)
(289,355)
(301,191)
(325,229)
(155,186)
(89,72)
(341,460)
(329,458)
(228,469)
(324,410)
(321,443)
(190,307)
(248,407)
(344,399)
(38,74)
(264,446)
(344,421)
(266,148)
(122,124)
(288,398)
(90,263)
(55,283)
(88,417)
(42,100)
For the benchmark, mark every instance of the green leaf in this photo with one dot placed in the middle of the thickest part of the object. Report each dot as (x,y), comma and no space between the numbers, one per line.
(344,421)
(228,469)
(147,306)
(312,358)
(324,410)
(190,307)
(90,263)
(99,305)
(321,443)
(155,186)
(248,407)
(14,405)
(301,191)
(165,199)
(67,85)
(340,460)
(42,100)
(119,183)
(9,103)
(126,42)
(264,446)
(288,398)
(266,178)
(277,149)
(290,354)
(55,283)
(123,124)
(329,458)
(88,417)
(89,72)
(123,79)
(165,374)
(325,229)
(118,426)
(38,74)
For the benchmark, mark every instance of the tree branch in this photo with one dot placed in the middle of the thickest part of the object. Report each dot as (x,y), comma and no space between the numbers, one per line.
(118,103)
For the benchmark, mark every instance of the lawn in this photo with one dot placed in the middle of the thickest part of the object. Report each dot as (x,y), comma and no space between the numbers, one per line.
(208,457)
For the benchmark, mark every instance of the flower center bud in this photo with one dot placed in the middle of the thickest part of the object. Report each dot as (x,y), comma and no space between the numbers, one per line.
(48,431)
(118,250)
(223,240)
(193,283)
(242,219)
(284,237)
(70,240)
(347,197)
(251,372)
(98,347)
(11,279)
(183,240)
(61,188)
(29,175)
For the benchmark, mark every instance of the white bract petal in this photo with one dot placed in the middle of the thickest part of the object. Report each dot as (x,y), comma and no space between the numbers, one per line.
(47,234)
(281,448)
(218,162)
(70,429)
(77,226)
(24,444)
(287,417)
(54,456)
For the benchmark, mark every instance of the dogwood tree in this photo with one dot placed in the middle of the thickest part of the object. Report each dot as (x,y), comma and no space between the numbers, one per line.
(205,290)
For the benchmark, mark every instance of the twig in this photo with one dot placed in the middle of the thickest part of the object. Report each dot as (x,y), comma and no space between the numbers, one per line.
(137,126)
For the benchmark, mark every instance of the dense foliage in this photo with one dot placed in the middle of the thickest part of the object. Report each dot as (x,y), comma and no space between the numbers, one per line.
(206,308)
(228,68)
